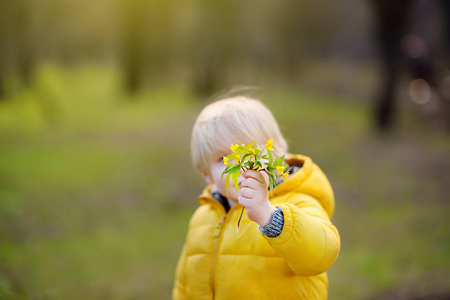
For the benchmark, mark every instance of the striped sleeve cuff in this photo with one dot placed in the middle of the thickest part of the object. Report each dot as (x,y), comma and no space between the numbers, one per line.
(275,225)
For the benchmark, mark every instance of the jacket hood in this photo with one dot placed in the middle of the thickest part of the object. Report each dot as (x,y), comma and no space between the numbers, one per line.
(309,180)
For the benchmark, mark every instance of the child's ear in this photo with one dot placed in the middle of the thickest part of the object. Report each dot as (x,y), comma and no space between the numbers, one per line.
(207,179)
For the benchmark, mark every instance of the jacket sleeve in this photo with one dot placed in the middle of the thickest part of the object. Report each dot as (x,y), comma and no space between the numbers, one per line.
(179,289)
(309,242)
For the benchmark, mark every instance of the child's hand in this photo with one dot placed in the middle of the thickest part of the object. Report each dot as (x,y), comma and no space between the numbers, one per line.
(253,195)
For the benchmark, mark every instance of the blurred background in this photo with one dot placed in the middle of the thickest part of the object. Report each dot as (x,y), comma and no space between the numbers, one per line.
(97,102)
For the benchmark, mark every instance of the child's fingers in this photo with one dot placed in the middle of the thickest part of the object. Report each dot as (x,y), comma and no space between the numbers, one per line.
(248,193)
(250,183)
(258,176)
(254,174)
(246,202)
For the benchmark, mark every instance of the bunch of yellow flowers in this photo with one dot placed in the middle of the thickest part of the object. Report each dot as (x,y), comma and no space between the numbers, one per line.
(246,157)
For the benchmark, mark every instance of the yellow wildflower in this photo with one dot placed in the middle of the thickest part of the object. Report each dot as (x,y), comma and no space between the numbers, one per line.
(269,145)
(285,176)
(280,170)
(225,160)
(234,147)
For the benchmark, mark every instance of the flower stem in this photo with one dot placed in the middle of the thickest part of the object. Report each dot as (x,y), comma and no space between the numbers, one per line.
(239,221)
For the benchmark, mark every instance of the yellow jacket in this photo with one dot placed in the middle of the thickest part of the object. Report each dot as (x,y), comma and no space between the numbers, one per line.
(218,263)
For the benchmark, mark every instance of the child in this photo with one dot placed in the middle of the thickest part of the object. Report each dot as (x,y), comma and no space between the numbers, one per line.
(285,242)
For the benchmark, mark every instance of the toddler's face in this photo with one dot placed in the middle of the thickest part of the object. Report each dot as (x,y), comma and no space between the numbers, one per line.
(216,172)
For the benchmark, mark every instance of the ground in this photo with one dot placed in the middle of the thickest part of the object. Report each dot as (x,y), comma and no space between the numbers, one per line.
(97,187)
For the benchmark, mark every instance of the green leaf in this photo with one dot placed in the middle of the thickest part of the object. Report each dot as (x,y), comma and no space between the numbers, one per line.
(231,156)
(234,169)
(270,157)
(273,181)
(240,150)
(227,168)
(263,164)
(245,156)
(278,161)
(271,185)
(227,182)
(274,177)
(249,164)
(234,177)
(249,146)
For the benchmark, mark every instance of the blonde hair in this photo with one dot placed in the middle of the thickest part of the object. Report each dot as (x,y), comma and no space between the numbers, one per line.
(238,120)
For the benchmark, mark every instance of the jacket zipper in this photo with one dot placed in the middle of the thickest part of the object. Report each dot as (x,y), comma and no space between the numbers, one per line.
(216,241)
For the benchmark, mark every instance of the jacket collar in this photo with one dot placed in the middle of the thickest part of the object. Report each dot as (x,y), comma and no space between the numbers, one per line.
(296,179)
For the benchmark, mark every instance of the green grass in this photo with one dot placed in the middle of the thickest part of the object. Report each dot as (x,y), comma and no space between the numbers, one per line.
(97,187)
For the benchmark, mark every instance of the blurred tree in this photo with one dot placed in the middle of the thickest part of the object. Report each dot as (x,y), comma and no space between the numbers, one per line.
(213,48)
(145,41)
(131,36)
(17,40)
(402,31)
(207,46)
(391,26)
(301,29)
